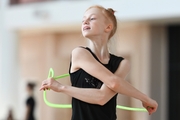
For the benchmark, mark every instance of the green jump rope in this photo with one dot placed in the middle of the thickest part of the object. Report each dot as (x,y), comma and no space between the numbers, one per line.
(51,74)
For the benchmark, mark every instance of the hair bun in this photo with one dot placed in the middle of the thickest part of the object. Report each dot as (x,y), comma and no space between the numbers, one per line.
(111,10)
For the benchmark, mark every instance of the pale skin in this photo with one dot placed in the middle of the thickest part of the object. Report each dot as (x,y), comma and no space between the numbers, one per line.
(97,28)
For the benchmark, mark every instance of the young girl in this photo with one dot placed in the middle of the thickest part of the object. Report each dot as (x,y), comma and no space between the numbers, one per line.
(97,75)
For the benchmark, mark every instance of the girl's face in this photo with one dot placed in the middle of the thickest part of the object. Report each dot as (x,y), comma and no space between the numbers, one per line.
(93,23)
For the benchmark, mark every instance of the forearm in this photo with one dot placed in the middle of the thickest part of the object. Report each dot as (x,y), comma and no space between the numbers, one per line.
(125,88)
(90,95)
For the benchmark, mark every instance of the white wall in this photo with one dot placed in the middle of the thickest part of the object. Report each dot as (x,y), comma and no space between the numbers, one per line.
(8,66)
(64,12)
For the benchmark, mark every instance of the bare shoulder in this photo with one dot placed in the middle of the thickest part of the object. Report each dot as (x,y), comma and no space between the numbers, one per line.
(80,56)
(80,53)
(78,50)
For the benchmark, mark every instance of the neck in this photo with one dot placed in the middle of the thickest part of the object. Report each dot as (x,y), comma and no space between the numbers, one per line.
(100,49)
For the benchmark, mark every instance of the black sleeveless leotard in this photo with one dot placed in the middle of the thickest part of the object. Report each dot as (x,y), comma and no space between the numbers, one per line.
(86,111)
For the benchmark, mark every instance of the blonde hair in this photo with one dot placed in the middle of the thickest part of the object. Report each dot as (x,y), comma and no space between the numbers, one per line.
(109,13)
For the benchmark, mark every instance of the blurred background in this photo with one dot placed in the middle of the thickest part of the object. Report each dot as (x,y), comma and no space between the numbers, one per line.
(38,34)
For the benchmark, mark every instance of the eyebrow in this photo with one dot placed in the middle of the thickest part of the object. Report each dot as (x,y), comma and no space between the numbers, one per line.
(89,15)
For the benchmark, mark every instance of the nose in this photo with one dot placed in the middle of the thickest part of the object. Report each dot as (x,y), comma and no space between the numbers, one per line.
(86,21)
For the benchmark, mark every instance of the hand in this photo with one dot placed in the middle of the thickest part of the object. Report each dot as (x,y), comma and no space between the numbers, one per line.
(50,83)
(151,106)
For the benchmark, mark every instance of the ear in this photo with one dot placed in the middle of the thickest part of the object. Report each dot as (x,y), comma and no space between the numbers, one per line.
(109,28)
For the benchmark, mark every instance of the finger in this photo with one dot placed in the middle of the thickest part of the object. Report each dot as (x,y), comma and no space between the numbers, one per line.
(44,87)
(151,110)
(40,88)
(45,82)
(148,109)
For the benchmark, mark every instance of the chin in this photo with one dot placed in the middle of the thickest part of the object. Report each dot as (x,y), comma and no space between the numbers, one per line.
(86,35)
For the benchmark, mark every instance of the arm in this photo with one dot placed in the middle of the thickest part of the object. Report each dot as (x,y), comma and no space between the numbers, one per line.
(81,58)
(113,81)
(89,95)
(96,96)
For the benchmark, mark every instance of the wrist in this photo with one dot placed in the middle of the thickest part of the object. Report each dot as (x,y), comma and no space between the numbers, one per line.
(145,98)
(61,88)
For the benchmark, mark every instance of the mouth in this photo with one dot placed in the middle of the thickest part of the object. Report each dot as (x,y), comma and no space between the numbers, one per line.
(86,28)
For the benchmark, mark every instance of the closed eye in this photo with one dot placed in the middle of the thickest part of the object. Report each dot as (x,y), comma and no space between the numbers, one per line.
(89,19)
(92,18)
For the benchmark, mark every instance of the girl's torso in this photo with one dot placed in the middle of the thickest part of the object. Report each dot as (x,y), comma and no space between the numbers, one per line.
(85,111)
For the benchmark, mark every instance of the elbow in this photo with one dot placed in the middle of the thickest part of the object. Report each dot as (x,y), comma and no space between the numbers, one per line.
(102,100)
(115,83)
(102,103)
